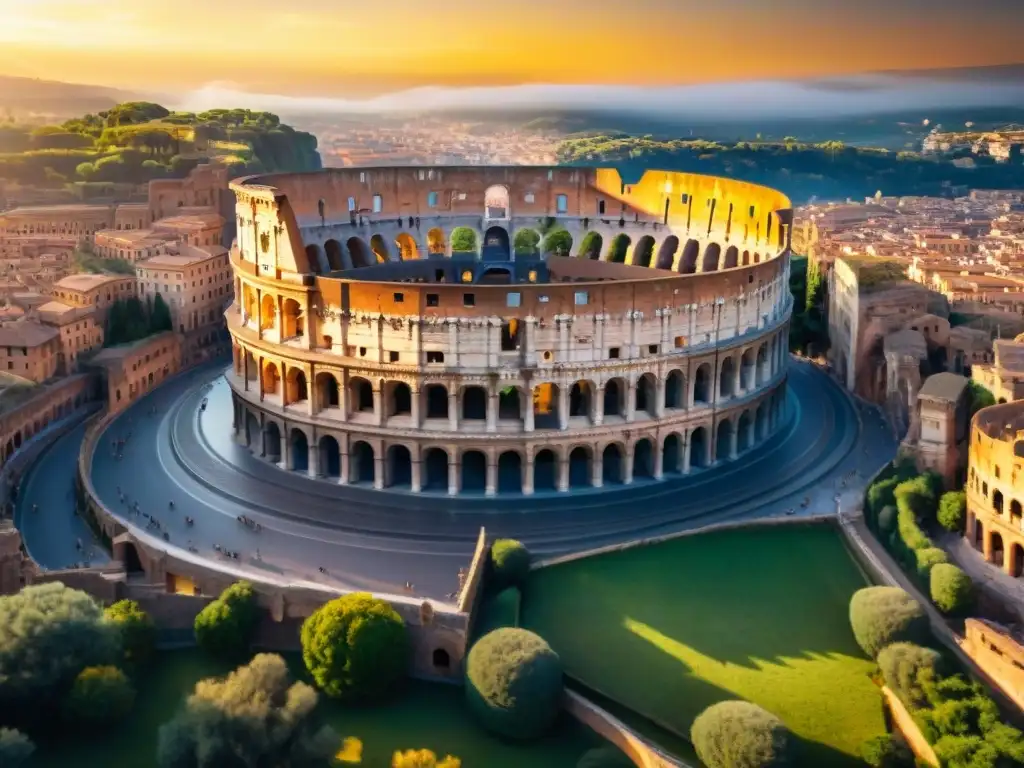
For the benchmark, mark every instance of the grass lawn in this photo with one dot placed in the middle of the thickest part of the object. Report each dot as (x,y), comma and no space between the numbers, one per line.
(758,614)
(427,716)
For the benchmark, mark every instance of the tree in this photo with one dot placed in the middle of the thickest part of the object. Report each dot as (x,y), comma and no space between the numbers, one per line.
(604,757)
(160,319)
(902,666)
(884,751)
(99,696)
(137,631)
(463,239)
(355,647)
(15,748)
(880,616)
(48,634)
(225,627)
(963,751)
(526,242)
(953,511)
(951,589)
(738,734)
(423,758)
(590,247)
(514,683)
(254,716)
(978,397)
(558,242)
(510,563)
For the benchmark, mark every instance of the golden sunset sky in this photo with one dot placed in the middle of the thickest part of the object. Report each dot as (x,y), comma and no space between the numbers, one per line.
(349,47)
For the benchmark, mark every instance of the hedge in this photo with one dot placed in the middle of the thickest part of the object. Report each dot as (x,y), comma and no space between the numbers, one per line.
(880,616)
(951,589)
(953,511)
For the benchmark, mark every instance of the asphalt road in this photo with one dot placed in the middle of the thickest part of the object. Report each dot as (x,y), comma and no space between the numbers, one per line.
(375,540)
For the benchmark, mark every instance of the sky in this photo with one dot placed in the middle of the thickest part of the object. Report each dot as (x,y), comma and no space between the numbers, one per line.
(359,49)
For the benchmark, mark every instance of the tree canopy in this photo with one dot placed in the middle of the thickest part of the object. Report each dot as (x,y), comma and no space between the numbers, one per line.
(225,627)
(136,629)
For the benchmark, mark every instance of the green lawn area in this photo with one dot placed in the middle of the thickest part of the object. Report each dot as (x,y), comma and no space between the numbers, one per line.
(427,715)
(759,614)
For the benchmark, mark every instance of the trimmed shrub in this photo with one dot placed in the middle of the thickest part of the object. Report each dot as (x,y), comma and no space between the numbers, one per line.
(225,627)
(952,590)
(15,748)
(902,665)
(514,684)
(738,734)
(886,752)
(604,757)
(966,752)
(910,532)
(926,559)
(138,633)
(510,563)
(887,520)
(880,616)
(100,696)
(953,511)
(920,495)
(356,647)
(880,494)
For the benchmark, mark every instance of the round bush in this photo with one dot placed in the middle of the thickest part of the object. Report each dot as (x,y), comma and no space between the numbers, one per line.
(138,633)
(100,696)
(604,757)
(738,734)
(927,558)
(355,647)
(15,748)
(887,520)
(225,627)
(514,683)
(952,590)
(880,616)
(953,511)
(510,563)
(902,665)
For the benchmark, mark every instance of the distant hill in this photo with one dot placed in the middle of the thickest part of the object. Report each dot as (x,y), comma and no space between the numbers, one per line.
(25,96)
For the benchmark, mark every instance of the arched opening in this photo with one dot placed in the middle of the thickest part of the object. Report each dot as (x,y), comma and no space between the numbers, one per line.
(441,660)
(474,404)
(1015,513)
(399,466)
(614,398)
(646,396)
(271,379)
(997,502)
(671,455)
(298,391)
(711,256)
(406,247)
(362,465)
(580,467)
(496,276)
(611,464)
(979,535)
(746,258)
(399,399)
(131,559)
(675,389)
(702,384)
(474,471)
(643,459)
(315,258)
(436,244)
(526,243)
(496,202)
(748,370)
(727,378)
(253,435)
(699,447)
(268,312)
(761,427)
(545,406)
(580,399)
(335,257)
(299,449)
(436,396)
(360,252)
(463,241)
(1016,560)
(510,473)
(618,249)
(435,470)
(997,552)
(667,252)
(380,250)
(688,261)
(762,364)
(330,457)
(292,322)
(360,395)
(496,245)
(545,471)
(590,246)
(745,432)
(272,442)
(732,257)
(643,251)
(509,404)
(328,394)
(723,442)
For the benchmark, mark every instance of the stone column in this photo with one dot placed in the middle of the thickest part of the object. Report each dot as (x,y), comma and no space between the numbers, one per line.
(597,406)
(278,320)
(286,451)
(453,340)
(686,454)
(414,395)
(528,420)
(378,470)
(630,397)
(530,353)
(259,317)
(416,479)
(453,411)
(737,383)
(659,394)
(343,395)
(986,546)
(627,466)
(378,406)
(491,487)
(597,470)
(310,392)
(492,410)
(453,472)
(733,442)
(314,461)
(563,407)
(658,457)
(528,476)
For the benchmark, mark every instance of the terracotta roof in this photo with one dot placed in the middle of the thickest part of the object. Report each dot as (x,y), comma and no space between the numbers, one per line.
(943,386)
(26,333)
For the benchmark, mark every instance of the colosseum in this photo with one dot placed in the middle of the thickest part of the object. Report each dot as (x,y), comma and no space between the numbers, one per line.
(485,331)
(994,495)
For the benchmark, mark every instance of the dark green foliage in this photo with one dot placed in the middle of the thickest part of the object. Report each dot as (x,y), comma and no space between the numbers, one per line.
(978,397)
(226,626)
(558,242)
(604,757)
(510,563)
(463,240)
(880,616)
(902,665)
(886,752)
(952,590)
(887,520)
(48,634)
(880,494)
(254,717)
(137,631)
(926,559)
(356,647)
(738,734)
(160,319)
(100,696)
(910,532)
(15,748)
(590,246)
(618,248)
(526,242)
(966,752)
(131,320)
(919,495)
(1007,740)
(514,684)
(953,511)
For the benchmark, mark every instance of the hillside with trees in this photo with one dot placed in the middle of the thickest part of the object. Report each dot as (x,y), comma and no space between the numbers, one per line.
(136,142)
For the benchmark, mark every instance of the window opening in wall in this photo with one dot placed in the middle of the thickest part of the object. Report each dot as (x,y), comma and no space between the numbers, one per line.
(582,298)
(613,353)
(532,276)
(510,336)
(684,198)
(362,177)
(433,300)
(562,204)
(652,349)
(393,357)
(399,298)
(528,197)
(378,203)
(351,205)
(547,356)
(467,276)
(551,175)
(432,199)
(680,342)
(435,357)
(513,299)
(600,207)
(469,299)
(362,351)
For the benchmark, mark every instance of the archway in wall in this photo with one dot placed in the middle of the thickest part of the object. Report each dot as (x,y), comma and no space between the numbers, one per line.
(997,549)
(746,258)
(711,256)
(643,459)
(474,404)
(399,399)
(496,202)
(315,258)
(496,276)
(646,397)
(643,252)
(268,312)
(292,322)
(297,389)
(727,378)
(702,384)
(545,471)
(463,241)
(580,467)
(732,257)
(545,404)
(671,455)
(667,253)
(299,449)
(253,434)
(699,447)
(675,389)
(271,379)
(380,249)
(618,249)
(761,421)
(496,245)
(688,261)
(979,535)
(327,391)
(435,470)
(399,466)
(330,457)
(272,441)
(510,404)
(1016,560)
(745,432)
(590,246)
(510,473)
(614,398)
(360,395)
(436,244)
(406,247)
(360,253)
(436,397)
(611,464)
(474,471)
(580,399)
(723,440)
(132,561)
(335,256)
(362,469)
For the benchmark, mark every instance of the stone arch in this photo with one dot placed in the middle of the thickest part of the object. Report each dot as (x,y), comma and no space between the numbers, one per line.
(646,396)
(618,248)
(996,551)
(746,258)
(440,660)
(643,458)
(591,246)
(699,447)
(381,252)
(272,441)
(435,469)
(253,434)
(1015,512)
(496,246)
(763,371)
(474,471)
(643,252)
(330,457)
(406,247)
(315,257)
(1016,560)
(437,245)
(672,454)
(702,384)
(732,257)
(711,256)
(748,369)
(399,399)
(463,241)
(667,253)
(688,261)
(997,502)
(581,466)
(497,204)
(612,470)
(399,461)
(328,394)
(745,432)
(510,404)
(761,421)
(298,450)
(268,312)
(292,322)
(546,401)
(545,470)
(474,403)
(675,389)
(510,472)
(298,389)
(726,378)
(360,252)
(335,255)
(723,440)
(979,534)
(362,464)
(360,395)
(757,258)
(615,397)
(271,378)
(435,401)
(581,399)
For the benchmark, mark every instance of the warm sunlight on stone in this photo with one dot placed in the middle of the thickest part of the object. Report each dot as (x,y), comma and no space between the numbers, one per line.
(351,751)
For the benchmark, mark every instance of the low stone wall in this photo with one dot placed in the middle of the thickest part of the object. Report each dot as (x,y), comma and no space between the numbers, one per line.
(104,583)
(904,723)
(642,752)
(472,587)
